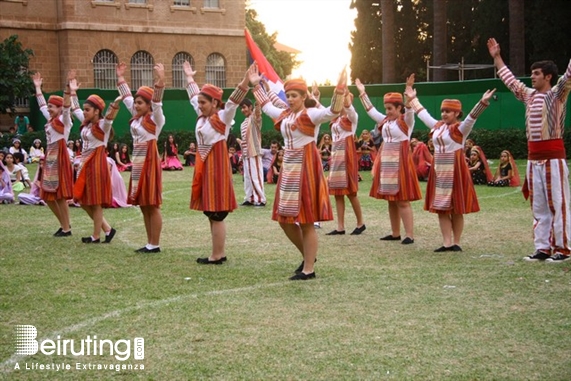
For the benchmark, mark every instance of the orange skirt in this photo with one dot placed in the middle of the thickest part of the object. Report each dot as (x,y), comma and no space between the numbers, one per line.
(93,185)
(150,186)
(212,187)
(409,190)
(65,175)
(314,193)
(352,169)
(464,199)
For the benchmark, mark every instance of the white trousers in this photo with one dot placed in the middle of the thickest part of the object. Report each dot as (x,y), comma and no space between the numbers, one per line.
(549,186)
(254,180)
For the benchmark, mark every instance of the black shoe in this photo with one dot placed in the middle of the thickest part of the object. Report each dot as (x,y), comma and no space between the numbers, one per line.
(442,249)
(206,261)
(359,230)
(145,250)
(90,240)
(390,237)
(260,204)
(557,258)
(302,276)
(61,233)
(223,259)
(336,232)
(109,237)
(537,256)
(407,241)
(455,248)
(247,203)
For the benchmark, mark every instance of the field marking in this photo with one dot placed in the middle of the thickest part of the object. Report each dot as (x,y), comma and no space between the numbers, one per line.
(8,365)
(517,190)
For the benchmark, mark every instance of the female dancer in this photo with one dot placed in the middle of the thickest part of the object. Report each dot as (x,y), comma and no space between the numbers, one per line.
(57,179)
(344,175)
(92,188)
(212,188)
(395,177)
(301,193)
(145,185)
(450,192)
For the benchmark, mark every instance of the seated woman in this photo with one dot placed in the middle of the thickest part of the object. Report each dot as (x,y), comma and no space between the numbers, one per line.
(14,172)
(477,168)
(422,159)
(6,193)
(276,166)
(170,155)
(33,198)
(190,155)
(36,151)
(507,173)
(325,151)
(365,147)
(17,147)
(122,158)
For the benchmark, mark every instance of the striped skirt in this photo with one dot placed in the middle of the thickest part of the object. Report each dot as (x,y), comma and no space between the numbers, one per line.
(212,187)
(314,204)
(407,188)
(346,166)
(65,174)
(93,184)
(450,188)
(146,184)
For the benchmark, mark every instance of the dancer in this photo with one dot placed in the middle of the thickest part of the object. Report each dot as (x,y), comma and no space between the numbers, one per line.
(212,187)
(145,184)
(344,174)
(92,188)
(450,192)
(57,179)
(251,143)
(301,193)
(395,178)
(422,159)
(547,175)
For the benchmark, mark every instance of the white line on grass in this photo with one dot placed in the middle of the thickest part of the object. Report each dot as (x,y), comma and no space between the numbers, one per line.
(8,365)
(517,190)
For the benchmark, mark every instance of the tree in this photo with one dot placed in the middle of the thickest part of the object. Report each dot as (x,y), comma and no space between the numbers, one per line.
(15,81)
(439,40)
(517,37)
(366,46)
(388,33)
(282,62)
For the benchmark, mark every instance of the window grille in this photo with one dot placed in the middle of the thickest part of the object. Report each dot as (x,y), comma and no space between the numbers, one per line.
(216,70)
(142,69)
(178,76)
(104,64)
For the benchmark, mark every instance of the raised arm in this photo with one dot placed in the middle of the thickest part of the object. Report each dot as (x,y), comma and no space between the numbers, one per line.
(260,94)
(518,88)
(38,80)
(124,89)
(157,109)
(418,108)
(73,86)
(237,96)
(191,87)
(563,86)
(111,113)
(367,104)
(468,123)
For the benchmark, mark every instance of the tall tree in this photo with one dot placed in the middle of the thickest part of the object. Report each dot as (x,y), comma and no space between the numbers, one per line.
(15,81)
(366,46)
(517,36)
(388,36)
(282,62)
(439,39)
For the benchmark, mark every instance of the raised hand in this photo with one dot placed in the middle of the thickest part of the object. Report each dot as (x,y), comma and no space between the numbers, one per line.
(493,47)
(120,69)
(488,95)
(71,74)
(410,80)
(360,86)
(253,75)
(160,71)
(188,70)
(342,81)
(73,85)
(38,80)
(410,93)
(315,93)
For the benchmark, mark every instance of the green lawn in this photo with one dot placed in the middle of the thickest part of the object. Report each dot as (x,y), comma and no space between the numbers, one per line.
(377,310)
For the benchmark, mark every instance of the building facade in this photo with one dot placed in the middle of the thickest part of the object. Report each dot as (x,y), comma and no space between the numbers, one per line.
(92,36)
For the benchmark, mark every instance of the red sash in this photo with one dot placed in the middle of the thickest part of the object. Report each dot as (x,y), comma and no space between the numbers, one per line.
(543,150)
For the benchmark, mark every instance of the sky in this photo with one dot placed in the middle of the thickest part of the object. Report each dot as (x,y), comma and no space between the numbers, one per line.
(320,29)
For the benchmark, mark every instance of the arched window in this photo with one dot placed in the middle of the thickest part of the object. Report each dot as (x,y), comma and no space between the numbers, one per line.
(178,76)
(142,69)
(216,70)
(104,64)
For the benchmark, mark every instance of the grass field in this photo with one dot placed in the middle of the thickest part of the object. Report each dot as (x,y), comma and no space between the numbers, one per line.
(377,310)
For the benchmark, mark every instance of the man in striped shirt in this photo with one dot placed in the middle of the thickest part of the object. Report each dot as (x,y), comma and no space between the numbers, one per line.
(547,175)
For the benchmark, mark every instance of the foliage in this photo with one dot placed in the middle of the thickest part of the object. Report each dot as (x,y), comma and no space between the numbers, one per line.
(469,25)
(15,81)
(282,62)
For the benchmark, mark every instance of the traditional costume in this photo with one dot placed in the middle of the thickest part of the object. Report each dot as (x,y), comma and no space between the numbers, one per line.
(145,184)
(503,170)
(422,159)
(547,175)
(302,194)
(251,145)
(6,192)
(93,183)
(57,180)
(344,170)
(394,177)
(450,188)
(212,186)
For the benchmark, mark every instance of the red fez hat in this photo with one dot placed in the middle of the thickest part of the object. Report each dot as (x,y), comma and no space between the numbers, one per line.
(145,92)
(392,98)
(212,91)
(97,101)
(296,84)
(56,100)
(452,105)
